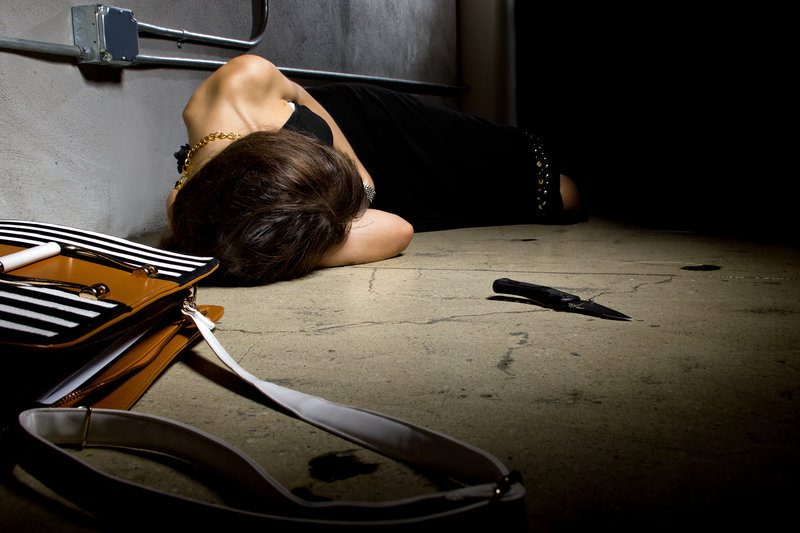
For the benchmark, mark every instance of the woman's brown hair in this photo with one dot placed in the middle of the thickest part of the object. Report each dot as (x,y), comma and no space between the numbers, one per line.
(268,207)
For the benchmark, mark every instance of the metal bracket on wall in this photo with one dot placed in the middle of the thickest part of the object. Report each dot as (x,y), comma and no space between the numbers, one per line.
(105,35)
(109,36)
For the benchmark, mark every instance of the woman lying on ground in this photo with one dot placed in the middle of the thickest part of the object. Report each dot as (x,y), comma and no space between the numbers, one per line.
(278,180)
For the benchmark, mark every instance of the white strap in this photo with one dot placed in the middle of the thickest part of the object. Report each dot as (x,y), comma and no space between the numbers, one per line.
(390,436)
(46,430)
(492,496)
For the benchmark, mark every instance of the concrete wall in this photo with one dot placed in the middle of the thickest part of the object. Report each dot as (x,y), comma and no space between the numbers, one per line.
(93,147)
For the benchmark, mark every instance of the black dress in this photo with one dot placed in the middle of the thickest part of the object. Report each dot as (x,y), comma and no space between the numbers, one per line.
(434,166)
(439,168)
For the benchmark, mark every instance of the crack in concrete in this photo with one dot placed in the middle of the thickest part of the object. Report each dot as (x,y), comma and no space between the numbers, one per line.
(635,288)
(371,284)
(432,321)
(452,318)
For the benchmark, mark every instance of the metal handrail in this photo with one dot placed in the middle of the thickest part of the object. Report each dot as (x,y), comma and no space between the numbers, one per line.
(26,45)
(420,87)
(186,36)
(182,36)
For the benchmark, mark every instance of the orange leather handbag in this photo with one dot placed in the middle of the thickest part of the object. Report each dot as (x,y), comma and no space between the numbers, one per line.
(90,319)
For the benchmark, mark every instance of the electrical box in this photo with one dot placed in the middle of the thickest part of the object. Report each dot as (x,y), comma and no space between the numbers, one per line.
(106,35)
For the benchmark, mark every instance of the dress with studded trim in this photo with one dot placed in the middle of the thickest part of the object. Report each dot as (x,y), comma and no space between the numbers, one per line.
(439,168)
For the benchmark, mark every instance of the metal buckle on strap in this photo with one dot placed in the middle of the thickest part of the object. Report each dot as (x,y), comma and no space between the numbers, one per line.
(505,483)
(86,422)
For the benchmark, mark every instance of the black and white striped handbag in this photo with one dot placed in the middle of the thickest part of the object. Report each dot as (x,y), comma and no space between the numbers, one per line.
(84,315)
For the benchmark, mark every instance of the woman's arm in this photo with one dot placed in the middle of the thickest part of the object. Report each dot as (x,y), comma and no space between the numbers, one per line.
(374,236)
(339,140)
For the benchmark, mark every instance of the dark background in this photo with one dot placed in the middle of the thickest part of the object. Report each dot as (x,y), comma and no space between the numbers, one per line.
(668,116)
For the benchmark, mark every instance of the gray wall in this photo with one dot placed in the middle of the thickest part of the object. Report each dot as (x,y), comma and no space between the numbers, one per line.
(487,53)
(93,147)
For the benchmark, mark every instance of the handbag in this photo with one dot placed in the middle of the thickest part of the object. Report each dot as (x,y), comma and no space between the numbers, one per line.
(87,318)
(488,495)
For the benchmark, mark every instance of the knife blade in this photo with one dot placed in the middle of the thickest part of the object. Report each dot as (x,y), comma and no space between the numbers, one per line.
(554,298)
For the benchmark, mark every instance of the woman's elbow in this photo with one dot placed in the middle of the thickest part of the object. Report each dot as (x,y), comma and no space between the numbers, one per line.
(403,235)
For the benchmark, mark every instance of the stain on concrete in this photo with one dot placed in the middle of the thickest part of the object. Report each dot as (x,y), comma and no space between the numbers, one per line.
(771,311)
(336,466)
(507,359)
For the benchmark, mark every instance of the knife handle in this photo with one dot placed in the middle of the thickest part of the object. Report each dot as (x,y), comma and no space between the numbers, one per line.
(538,293)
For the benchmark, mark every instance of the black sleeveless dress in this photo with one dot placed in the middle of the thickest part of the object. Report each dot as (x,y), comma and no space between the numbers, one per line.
(308,123)
(434,166)
(439,168)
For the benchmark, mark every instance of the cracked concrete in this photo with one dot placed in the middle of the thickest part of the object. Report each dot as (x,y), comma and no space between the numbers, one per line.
(686,415)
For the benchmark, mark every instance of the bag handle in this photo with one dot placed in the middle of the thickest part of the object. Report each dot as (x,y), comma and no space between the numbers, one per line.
(493,495)
(390,436)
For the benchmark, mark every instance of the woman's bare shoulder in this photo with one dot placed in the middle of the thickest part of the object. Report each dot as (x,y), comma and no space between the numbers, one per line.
(243,77)
(245,70)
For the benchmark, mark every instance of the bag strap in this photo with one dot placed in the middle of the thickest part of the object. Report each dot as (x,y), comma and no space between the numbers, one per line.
(492,495)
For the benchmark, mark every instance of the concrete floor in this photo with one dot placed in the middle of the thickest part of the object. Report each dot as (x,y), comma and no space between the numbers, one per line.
(686,416)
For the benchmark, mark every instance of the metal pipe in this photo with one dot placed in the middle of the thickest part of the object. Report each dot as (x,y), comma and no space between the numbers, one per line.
(420,87)
(206,64)
(187,36)
(393,83)
(258,33)
(11,43)
(142,60)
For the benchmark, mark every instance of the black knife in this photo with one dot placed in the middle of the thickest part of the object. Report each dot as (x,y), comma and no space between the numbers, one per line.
(553,298)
